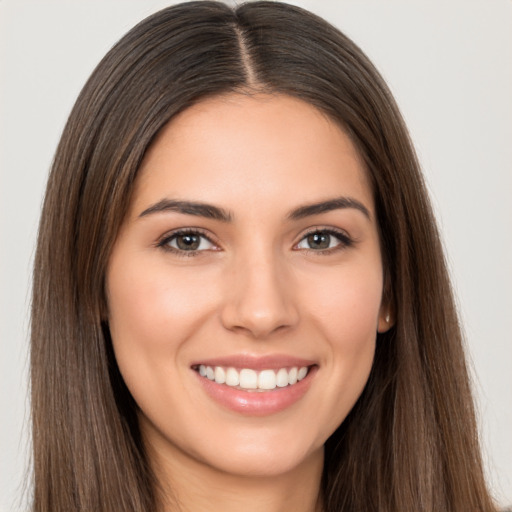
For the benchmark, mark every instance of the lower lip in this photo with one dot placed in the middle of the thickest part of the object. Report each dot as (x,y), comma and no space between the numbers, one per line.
(254,403)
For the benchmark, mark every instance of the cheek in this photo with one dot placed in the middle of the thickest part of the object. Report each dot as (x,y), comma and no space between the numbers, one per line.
(345,311)
(152,314)
(152,305)
(346,305)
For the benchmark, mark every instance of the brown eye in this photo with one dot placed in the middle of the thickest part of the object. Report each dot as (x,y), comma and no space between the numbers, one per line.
(188,241)
(323,240)
(319,241)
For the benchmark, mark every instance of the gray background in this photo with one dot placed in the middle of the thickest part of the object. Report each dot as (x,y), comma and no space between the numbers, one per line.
(449,64)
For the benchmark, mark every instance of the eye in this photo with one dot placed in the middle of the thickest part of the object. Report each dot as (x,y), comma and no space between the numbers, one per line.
(187,241)
(324,240)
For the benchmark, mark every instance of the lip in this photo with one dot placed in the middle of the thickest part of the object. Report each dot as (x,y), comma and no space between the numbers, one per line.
(258,363)
(254,403)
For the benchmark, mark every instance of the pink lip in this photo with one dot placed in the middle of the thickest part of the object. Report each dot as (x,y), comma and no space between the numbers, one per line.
(253,403)
(269,362)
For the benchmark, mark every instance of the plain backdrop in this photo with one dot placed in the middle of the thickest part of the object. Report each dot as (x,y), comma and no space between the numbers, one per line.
(449,64)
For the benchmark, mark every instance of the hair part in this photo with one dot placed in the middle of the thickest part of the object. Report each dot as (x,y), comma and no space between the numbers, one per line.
(410,442)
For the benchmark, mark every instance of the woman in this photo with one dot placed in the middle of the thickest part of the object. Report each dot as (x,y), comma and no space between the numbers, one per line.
(249,304)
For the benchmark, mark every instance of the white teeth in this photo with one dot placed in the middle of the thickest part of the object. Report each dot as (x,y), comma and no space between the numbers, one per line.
(250,379)
(232,377)
(267,379)
(220,375)
(282,378)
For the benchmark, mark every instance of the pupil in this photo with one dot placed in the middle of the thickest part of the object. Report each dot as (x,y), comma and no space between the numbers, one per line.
(319,241)
(188,242)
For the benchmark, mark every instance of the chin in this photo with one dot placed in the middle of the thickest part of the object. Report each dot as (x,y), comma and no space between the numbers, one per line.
(263,462)
(260,453)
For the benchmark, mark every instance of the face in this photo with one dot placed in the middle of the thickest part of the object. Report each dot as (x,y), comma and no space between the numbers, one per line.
(245,285)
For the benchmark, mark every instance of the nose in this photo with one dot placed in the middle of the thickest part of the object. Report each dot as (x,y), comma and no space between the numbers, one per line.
(259,298)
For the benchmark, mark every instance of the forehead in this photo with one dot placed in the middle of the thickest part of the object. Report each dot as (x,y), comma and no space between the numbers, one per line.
(251,150)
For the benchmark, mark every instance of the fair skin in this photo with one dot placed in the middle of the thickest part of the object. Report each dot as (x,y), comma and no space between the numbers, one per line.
(256,283)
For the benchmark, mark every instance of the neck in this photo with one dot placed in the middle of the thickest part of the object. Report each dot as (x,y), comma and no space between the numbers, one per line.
(191,486)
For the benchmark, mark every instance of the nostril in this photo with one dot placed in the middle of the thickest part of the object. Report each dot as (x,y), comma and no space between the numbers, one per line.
(258,322)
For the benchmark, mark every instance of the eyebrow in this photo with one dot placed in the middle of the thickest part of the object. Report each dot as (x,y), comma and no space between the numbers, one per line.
(189,208)
(337,203)
(216,213)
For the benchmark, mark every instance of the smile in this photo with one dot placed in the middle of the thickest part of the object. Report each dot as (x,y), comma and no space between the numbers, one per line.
(255,385)
(248,379)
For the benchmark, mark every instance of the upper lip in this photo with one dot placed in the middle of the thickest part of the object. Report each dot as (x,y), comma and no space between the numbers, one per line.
(260,362)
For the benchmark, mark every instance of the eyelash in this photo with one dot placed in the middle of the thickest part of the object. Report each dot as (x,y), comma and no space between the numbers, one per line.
(344,241)
(163,243)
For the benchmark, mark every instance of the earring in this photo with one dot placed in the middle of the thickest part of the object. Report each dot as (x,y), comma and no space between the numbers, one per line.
(387,318)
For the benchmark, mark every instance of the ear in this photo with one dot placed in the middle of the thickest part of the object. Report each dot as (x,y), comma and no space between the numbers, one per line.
(387,315)
(386,319)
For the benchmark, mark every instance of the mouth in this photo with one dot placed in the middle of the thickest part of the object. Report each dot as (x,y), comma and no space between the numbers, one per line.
(251,380)
(256,386)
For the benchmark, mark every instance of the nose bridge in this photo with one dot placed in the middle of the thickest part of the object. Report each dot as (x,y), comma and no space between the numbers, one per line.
(260,298)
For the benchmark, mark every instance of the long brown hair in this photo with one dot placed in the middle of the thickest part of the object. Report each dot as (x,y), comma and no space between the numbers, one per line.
(410,442)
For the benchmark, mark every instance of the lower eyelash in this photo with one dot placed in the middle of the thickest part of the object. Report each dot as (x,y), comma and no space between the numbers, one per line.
(162,243)
(343,238)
